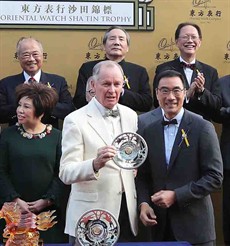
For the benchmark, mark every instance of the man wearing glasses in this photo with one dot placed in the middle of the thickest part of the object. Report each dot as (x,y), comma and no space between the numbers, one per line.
(30,56)
(203,94)
(183,167)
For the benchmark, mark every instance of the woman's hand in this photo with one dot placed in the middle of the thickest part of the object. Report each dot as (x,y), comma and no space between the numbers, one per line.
(23,205)
(37,206)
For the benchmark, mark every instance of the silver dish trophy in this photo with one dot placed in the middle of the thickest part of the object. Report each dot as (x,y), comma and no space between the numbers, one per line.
(97,228)
(132,150)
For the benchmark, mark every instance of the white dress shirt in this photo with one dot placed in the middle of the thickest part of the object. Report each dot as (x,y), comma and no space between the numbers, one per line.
(170,132)
(113,124)
(188,72)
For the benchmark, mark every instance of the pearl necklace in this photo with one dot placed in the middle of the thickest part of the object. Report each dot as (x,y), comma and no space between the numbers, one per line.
(31,135)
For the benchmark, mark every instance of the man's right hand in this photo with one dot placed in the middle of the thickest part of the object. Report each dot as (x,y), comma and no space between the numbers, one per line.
(104,154)
(147,215)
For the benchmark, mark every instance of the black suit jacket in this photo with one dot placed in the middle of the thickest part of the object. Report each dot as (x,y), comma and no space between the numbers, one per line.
(205,104)
(8,100)
(138,97)
(193,173)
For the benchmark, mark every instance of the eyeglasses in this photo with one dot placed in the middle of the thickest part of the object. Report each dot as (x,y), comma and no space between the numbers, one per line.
(26,56)
(175,91)
(187,37)
(91,92)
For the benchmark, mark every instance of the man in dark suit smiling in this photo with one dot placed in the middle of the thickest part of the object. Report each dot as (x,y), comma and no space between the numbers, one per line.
(203,94)
(182,168)
(30,55)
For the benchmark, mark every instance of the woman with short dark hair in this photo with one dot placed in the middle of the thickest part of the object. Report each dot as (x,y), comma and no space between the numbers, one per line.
(30,155)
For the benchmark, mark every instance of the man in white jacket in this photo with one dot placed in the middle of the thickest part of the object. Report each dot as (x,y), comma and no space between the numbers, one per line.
(86,162)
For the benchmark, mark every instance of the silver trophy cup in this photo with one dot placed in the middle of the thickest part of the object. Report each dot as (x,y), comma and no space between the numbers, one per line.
(132,150)
(97,227)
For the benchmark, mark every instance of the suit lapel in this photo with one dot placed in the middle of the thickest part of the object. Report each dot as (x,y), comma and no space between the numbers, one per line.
(155,138)
(198,68)
(159,138)
(157,113)
(19,79)
(180,69)
(179,142)
(44,79)
(97,122)
(125,127)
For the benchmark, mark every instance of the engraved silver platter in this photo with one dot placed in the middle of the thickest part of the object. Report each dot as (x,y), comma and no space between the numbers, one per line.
(97,227)
(132,150)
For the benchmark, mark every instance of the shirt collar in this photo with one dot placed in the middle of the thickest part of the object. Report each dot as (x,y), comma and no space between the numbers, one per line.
(178,117)
(100,107)
(37,76)
(120,62)
(182,60)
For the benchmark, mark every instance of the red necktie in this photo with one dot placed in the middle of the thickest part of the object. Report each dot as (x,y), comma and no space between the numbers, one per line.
(31,80)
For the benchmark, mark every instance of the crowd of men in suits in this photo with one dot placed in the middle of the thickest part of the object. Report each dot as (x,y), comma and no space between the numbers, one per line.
(184,163)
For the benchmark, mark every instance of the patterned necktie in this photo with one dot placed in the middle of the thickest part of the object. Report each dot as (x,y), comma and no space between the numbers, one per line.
(187,65)
(111,112)
(31,80)
(168,122)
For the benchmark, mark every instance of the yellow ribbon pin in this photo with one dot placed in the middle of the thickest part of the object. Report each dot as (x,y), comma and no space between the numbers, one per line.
(185,138)
(126,82)
(198,72)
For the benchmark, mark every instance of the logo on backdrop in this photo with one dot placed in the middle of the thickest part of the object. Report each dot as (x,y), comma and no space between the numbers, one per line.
(167,50)
(205,11)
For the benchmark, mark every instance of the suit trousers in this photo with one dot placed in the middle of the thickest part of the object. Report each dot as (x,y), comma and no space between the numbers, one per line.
(126,234)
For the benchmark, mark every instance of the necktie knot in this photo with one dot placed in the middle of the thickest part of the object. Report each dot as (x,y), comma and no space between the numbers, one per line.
(169,122)
(31,79)
(187,65)
(111,112)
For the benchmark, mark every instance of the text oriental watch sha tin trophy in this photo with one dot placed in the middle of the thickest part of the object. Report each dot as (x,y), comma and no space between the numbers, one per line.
(23,229)
(99,227)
